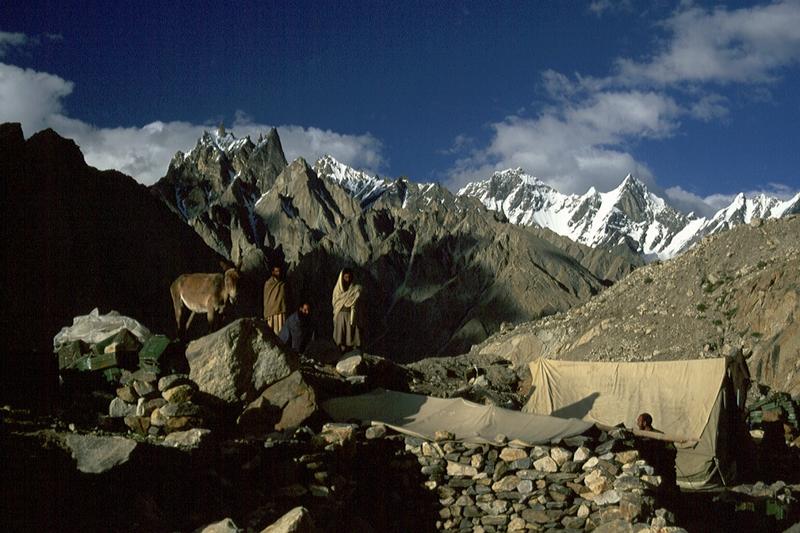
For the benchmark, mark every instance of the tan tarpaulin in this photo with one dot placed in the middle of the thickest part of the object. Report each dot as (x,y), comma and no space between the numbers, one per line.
(422,416)
(685,399)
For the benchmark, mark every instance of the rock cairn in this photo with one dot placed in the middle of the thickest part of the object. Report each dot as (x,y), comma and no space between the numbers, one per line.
(581,483)
(150,405)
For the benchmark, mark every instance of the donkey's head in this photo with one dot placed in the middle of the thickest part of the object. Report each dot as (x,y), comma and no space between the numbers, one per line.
(231,280)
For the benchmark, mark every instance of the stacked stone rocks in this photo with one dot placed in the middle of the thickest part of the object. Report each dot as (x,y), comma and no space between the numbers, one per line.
(581,483)
(153,406)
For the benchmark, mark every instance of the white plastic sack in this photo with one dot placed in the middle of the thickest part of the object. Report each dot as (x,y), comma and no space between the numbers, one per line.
(94,327)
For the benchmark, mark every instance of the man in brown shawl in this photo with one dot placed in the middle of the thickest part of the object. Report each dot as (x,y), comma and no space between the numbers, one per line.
(275,300)
(346,312)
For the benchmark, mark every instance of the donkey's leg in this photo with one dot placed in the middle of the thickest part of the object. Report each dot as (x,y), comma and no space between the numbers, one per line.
(211,315)
(177,306)
(189,322)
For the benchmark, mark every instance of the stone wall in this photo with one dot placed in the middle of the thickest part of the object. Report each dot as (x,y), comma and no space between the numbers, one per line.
(582,483)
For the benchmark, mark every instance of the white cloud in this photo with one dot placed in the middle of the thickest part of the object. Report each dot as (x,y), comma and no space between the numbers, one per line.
(688,202)
(460,144)
(600,7)
(577,146)
(710,107)
(30,97)
(11,39)
(35,99)
(720,45)
(707,206)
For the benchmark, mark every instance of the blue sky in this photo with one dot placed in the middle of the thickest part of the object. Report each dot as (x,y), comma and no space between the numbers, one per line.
(699,100)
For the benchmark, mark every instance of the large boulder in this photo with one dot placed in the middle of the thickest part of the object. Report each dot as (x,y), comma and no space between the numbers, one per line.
(286,404)
(298,520)
(226,525)
(95,454)
(239,361)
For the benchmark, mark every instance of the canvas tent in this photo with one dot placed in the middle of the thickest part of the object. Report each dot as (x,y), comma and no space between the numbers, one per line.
(422,416)
(691,400)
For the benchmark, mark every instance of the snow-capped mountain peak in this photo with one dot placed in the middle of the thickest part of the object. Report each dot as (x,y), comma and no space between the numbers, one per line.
(224,141)
(362,186)
(628,214)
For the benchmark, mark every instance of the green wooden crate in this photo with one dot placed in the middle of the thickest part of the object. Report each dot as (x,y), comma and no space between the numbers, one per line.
(154,348)
(100,362)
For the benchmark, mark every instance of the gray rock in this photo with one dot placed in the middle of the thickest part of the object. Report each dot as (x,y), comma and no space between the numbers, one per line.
(180,409)
(500,470)
(458,469)
(376,432)
(127,394)
(140,407)
(139,424)
(573,522)
(145,375)
(498,520)
(119,408)
(536,516)
(525,486)
(615,526)
(350,366)
(632,505)
(506,484)
(570,467)
(582,454)
(182,423)
(145,389)
(560,455)
(289,403)
(545,464)
(512,454)
(521,464)
(472,511)
(628,483)
(179,393)
(95,454)
(191,439)
(157,419)
(531,474)
(225,525)
(239,361)
(172,380)
(606,498)
(151,405)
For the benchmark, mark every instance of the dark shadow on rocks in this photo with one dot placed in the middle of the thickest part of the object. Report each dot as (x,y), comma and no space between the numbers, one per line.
(419,302)
(158,489)
(390,495)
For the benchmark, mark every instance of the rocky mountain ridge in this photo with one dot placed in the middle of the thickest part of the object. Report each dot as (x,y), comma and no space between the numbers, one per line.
(629,214)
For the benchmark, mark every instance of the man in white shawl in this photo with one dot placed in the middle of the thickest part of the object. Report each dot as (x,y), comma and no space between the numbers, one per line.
(346,325)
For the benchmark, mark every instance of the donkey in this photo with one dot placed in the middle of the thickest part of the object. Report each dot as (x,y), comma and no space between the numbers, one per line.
(203,293)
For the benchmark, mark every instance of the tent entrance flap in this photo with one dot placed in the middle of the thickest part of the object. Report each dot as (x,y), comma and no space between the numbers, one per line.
(423,416)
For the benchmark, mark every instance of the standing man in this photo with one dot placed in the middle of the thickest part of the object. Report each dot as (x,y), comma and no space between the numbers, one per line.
(346,312)
(275,300)
(298,330)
